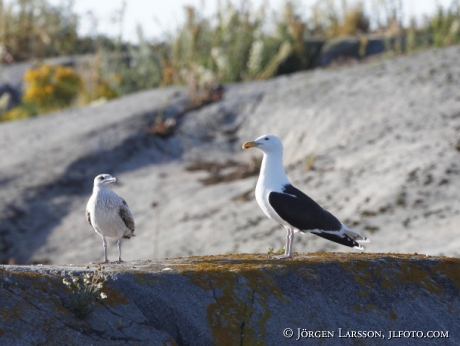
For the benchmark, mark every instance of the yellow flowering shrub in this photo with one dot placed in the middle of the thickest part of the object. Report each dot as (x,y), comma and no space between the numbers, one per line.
(48,88)
(51,87)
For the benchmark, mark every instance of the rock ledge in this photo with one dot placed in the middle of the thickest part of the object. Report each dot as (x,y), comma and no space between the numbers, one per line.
(241,300)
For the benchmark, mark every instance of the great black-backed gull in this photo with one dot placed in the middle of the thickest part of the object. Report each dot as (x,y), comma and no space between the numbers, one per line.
(290,207)
(109,214)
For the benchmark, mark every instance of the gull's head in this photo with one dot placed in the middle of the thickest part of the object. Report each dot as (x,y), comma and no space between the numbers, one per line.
(267,143)
(104,181)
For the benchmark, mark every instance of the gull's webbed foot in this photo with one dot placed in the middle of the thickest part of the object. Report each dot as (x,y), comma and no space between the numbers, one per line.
(282,256)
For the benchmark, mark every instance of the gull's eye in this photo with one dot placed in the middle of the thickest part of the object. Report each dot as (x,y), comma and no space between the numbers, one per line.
(266,138)
(101,178)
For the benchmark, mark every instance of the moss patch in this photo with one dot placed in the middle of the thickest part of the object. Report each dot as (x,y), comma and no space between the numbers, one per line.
(114,297)
(393,315)
(144,278)
(241,290)
(448,268)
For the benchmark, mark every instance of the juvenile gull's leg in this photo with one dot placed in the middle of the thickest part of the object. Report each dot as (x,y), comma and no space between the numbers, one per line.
(288,247)
(119,250)
(104,244)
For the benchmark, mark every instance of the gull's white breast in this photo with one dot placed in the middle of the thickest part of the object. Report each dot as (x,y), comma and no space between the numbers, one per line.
(104,207)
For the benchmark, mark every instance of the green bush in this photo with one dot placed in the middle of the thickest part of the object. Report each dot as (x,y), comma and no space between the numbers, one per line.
(444,26)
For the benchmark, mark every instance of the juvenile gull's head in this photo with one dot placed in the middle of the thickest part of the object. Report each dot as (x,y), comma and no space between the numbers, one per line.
(103,181)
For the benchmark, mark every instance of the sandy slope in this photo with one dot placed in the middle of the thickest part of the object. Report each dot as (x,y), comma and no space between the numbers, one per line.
(376,144)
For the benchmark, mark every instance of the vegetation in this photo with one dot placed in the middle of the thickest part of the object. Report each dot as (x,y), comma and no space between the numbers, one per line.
(444,26)
(48,88)
(237,43)
(272,250)
(31,29)
(86,290)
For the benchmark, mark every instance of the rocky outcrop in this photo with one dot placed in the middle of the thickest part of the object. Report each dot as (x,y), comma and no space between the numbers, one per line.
(376,144)
(327,298)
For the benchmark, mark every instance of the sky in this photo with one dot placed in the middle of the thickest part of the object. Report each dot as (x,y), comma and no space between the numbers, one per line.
(160,16)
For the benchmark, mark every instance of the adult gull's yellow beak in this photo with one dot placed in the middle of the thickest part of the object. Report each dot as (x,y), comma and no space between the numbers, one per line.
(247,145)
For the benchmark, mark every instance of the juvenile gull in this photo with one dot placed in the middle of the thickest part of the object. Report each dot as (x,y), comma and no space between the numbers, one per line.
(290,207)
(109,214)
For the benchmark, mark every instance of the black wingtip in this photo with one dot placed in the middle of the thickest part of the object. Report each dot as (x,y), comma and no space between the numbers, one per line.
(342,239)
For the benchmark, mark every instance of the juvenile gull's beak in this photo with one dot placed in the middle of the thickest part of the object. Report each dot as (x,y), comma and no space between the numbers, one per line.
(247,145)
(112,180)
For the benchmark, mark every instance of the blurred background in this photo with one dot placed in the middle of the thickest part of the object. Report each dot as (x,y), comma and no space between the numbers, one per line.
(76,52)
(161,95)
